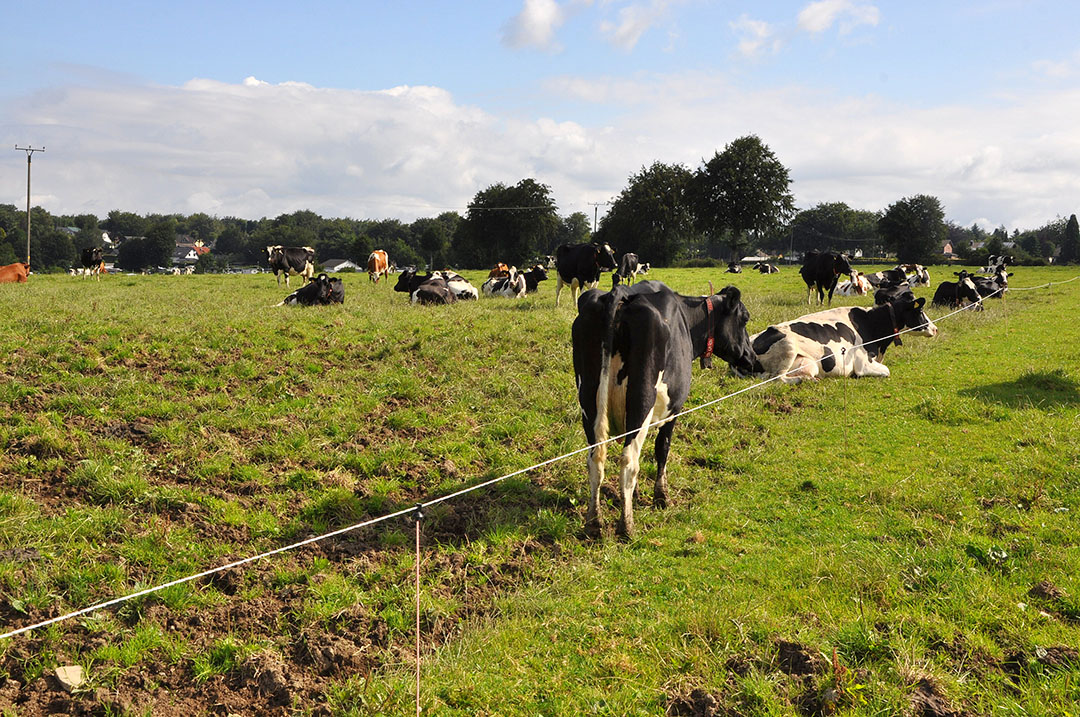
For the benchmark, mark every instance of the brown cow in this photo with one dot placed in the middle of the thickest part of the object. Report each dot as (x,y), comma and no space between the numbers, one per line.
(14,273)
(499,271)
(378,265)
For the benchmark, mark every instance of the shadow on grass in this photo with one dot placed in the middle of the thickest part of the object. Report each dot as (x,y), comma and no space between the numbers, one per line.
(1034,389)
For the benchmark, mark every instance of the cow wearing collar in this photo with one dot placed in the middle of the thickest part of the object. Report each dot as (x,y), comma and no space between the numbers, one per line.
(847,341)
(633,351)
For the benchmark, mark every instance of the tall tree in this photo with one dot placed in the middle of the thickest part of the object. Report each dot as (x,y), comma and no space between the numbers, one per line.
(573,229)
(1070,247)
(652,216)
(741,191)
(160,243)
(914,228)
(508,224)
(833,225)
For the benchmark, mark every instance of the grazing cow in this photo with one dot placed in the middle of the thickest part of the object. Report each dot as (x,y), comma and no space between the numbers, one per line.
(92,261)
(893,293)
(822,270)
(955,293)
(533,277)
(846,341)
(579,266)
(633,351)
(628,269)
(511,286)
(378,265)
(408,281)
(289,260)
(766,268)
(316,292)
(733,267)
(499,271)
(889,277)
(14,273)
(858,285)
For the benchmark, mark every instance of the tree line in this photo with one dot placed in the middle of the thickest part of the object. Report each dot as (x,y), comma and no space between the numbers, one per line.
(736,202)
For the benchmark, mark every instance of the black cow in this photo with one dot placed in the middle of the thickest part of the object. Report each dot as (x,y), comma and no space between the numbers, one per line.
(822,270)
(337,290)
(533,277)
(633,350)
(733,267)
(628,269)
(92,261)
(955,293)
(316,292)
(893,293)
(289,260)
(579,266)
(889,277)
(765,268)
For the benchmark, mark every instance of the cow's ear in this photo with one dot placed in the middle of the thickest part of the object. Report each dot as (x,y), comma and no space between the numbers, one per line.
(920,302)
(731,295)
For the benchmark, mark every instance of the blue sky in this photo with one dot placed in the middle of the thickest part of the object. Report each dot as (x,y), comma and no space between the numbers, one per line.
(406,109)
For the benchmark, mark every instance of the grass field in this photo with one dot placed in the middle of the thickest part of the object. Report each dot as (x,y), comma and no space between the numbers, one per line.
(870,547)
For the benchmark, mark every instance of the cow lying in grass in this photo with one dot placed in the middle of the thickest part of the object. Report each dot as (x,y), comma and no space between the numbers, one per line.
(633,350)
(848,341)
(319,291)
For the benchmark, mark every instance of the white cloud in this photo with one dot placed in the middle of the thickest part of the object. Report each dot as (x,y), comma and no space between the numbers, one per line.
(817,17)
(535,25)
(633,22)
(757,36)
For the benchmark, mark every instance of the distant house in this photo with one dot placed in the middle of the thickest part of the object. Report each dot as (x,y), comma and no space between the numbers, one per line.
(948,253)
(184,255)
(332,265)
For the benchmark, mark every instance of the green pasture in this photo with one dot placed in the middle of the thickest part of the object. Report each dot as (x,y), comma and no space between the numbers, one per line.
(865,547)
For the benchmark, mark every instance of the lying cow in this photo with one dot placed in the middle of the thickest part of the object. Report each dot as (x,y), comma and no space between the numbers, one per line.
(889,277)
(433,290)
(316,292)
(847,341)
(499,271)
(955,294)
(916,274)
(993,286)
(857,285)
(765,268)
(891,294)
(533,277)
(822,270)
(733,267)
(14,273)
(994,262)
(633,351)
(512,286)
(408,281)
(290,260)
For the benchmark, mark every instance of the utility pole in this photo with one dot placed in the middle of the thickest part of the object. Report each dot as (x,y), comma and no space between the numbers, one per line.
(29,151)
(596,210)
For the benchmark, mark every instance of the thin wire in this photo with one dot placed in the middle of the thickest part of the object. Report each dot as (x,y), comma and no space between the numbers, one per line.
(419,515)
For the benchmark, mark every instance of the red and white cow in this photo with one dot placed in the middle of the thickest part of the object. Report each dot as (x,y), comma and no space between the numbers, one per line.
(378,265)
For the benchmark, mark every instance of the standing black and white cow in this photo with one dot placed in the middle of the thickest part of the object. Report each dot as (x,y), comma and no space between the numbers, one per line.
(846,341)
(290,260)
(511,286)
(533,277)
(316,292)
(579,265)
(91,261)
(633,351)
(628,269)
(822,270)
(955,293)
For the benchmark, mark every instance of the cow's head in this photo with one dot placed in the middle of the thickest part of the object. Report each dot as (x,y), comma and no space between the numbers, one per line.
(405,279)
(842,265)
(605,257)
(910,315)
(730,341)
(271,251)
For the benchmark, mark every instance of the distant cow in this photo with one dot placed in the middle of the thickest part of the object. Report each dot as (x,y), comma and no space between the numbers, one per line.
(995,261)
(408,282)
(533,277)
(993,286)
(92,261)
(822,270)
(629,267)
(916,274)
(378,265)
(889,277)
(633,351)
(733,267)
(955,293)
(435,290)
(511,286)
(289,260)
(856,286)
(579,266)
(765,268)
(316,292)
(14,273)
(498,271)
(847,341)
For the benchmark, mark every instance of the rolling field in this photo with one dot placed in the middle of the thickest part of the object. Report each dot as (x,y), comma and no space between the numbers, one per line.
(870,547)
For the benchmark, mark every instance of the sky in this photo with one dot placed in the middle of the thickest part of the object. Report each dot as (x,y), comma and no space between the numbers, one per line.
(400,110)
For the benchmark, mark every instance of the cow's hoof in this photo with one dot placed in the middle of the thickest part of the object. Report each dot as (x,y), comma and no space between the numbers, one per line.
(660,499)
(624,532)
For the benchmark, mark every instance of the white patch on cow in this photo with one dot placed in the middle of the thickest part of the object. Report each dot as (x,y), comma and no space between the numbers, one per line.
(661,410)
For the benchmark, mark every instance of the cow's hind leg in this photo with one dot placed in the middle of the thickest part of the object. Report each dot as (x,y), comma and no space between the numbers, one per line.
(663,445)
(630,462)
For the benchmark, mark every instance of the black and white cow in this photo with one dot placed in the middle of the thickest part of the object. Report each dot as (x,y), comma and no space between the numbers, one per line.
(409,280)
(917,274)
(892,293)
(955,293)
(633,351)
(733,267)
(533,277)
(511,286)
(92,262)
(822,270)
(889,277)
(766,268)
(846,341)
(435,290)
(996,261)
(993,286)
(628,266)
(579,265)
(316,292)
(290,260)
